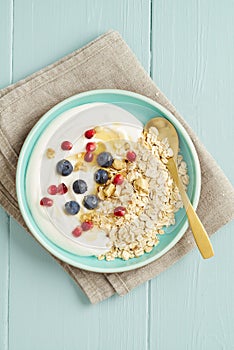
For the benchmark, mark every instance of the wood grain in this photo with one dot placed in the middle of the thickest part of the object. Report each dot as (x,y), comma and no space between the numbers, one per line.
(6,42)
(54,28)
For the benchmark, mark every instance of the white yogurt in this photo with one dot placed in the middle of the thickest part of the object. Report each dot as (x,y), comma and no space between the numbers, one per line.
(41,173)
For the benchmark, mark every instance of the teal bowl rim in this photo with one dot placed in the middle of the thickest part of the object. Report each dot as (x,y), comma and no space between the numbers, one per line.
(21,171)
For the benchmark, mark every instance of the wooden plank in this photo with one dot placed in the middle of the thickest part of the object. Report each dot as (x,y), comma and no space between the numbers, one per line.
(192,304)
(4,277)
(6,30)
(45,305)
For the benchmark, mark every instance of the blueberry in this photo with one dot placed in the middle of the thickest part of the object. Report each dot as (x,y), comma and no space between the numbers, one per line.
(101,176)
(64,167)
(90,202)
(80,186)
(105,159)
(72,207)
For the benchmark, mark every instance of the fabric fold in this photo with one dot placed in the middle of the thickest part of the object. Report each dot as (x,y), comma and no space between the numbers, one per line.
(105,63)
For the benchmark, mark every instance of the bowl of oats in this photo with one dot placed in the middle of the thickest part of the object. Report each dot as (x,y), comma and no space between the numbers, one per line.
(93,186)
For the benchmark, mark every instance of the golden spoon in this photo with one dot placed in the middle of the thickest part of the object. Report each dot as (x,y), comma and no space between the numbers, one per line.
(167,130)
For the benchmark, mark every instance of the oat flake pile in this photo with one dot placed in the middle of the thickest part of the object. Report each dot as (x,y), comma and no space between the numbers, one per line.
(148,197)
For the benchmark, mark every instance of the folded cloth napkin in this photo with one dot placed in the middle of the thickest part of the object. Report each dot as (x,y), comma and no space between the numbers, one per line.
(105,63)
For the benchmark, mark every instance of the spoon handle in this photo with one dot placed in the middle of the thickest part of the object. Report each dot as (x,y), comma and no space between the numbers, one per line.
(200,235)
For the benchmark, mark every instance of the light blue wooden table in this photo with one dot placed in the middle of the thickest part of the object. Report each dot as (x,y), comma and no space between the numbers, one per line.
(188,48)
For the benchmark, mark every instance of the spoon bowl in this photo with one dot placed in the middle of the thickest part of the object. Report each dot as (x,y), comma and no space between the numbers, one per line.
(166,130)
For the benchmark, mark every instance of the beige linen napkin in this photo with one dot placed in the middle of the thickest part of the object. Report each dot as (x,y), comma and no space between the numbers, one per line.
(105,63)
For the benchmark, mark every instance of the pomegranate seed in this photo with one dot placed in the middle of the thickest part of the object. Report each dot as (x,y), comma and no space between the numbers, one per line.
(118,179)
(91,146)
(131,156)
(46,202)
(62,189)
(66,145)
(52,190)
(87,225)
(77,231)
(90,133)
(119,211)
(88,157)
